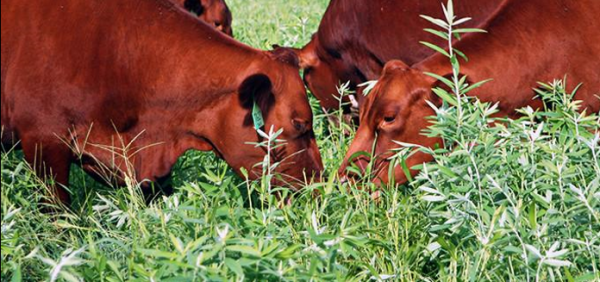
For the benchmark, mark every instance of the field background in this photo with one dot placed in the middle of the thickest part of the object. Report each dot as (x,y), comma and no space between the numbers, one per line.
(531,212)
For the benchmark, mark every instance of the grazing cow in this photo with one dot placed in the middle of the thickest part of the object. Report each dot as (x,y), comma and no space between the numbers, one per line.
(357,37)
(213,12)
(524,44)
(135,84)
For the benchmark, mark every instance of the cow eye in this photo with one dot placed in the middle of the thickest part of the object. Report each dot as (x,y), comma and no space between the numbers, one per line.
(300,125)
(389,119)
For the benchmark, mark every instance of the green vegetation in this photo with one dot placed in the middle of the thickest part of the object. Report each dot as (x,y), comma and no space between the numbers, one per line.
(504,200)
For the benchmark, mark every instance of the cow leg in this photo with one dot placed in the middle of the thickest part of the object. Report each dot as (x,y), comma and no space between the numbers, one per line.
(50,160)
(9,138)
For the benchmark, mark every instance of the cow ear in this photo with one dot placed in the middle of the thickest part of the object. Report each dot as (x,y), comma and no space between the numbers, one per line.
(256,95)
(194,6)
(286,55)
(394,66)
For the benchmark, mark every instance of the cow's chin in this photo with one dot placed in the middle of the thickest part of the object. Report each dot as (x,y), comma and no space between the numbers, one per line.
(380,175)
(286,176)
(292,165)
(400,176)
(296,181)
(251,168)
(278,179)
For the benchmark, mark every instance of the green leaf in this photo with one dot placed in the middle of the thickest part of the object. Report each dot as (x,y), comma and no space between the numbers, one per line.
(468,30)
(569,275)
(444,80)
(533,216)
(244,250)
(447,171)
(436,48)
(435,21)
(289,252)
(114,267)
(461,54)
(270,249)
(586,277)
(178,279)
(406,170)
(437,33)
(449,11)
(476,85)
(17,277)
(157,253)
(446,97)
(235,267)
(455,64)
(513,249)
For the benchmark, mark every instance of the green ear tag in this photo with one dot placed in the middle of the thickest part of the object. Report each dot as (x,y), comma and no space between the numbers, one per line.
(257,116)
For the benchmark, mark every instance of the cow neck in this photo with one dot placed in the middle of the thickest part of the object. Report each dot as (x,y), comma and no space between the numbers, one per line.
(195,122)
(193,66)
(185,72)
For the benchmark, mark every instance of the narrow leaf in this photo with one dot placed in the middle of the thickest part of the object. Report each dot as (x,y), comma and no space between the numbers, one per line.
(436,48)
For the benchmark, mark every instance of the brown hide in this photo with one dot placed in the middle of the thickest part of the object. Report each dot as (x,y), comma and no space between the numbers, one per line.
(524,44)
(134,84)
(357,37)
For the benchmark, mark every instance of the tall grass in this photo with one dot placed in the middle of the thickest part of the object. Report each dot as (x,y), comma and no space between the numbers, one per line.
(504,200)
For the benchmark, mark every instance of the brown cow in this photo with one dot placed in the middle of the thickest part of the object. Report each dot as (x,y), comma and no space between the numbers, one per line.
(525,44)
(213,12)
(357,37)
(147,77)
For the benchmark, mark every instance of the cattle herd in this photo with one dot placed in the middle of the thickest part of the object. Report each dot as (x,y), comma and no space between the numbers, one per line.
(129,86)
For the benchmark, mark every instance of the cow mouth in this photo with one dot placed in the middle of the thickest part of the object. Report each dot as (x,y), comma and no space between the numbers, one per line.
(286,174)
(283,177)
(378,164)
(215,150)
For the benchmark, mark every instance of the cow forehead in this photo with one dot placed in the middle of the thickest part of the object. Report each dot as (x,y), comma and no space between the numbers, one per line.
(288,79)
(291,90)
(393,90)
(389,90)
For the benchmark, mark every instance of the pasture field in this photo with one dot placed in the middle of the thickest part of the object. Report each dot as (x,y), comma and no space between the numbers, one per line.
(518,201)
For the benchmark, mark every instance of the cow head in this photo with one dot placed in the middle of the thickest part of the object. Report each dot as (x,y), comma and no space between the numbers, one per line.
(396,110)
(277,92)
(319,75)
(213,12)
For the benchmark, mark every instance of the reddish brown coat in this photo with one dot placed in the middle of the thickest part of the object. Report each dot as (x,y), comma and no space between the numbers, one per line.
(524,44)
(357,37)
(143,73)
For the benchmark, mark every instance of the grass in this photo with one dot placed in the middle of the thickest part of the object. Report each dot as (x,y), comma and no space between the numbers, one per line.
(517,201)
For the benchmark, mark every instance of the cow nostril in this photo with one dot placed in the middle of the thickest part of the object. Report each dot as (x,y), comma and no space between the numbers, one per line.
(348,173)
(355,168)
(344,179)
(352,175)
